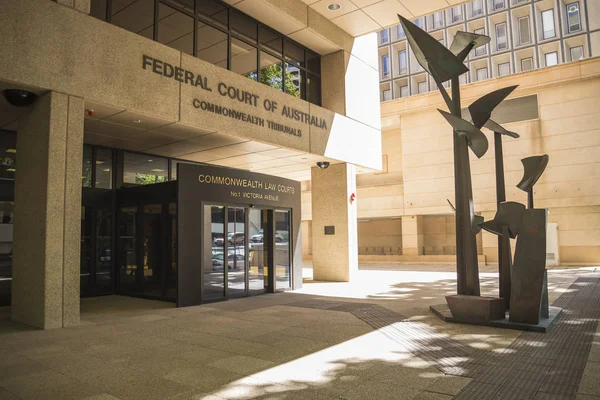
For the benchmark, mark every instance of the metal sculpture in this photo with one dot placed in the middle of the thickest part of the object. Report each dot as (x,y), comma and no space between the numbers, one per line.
(504,251)
(448,64)
(534,168)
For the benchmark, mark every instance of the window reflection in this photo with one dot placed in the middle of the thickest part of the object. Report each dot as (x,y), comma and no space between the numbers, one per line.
(175,29)
(282,249)
(293,80)
(103,168)
(243,59)
(8,162)
(6,247)
(258,251)
(271,71)
(212,45)
(136,16)
(86,169)
(271,40)
(213,265)
(212,11)
(243,26)
(140,169)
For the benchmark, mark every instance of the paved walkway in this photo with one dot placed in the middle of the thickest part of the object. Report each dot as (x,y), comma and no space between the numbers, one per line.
(371,339)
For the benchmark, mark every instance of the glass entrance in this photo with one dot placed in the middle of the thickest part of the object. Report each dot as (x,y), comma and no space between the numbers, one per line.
(236,251)
(258,233)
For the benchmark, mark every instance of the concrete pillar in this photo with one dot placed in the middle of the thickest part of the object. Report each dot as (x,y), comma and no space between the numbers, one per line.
(335,256)
(412,235)
(46,255)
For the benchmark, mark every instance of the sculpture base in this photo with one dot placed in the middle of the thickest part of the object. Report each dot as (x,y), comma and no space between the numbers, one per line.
(475,307)
(546,324)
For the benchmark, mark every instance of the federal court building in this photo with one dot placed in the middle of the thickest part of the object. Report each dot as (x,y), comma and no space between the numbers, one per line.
(155,148)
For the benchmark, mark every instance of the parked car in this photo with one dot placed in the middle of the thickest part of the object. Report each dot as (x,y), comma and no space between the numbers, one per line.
(234,261)
(232,238)
(258,238)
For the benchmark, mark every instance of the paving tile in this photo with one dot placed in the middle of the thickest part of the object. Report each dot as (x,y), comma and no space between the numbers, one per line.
(242,364)
(31,385)
(590,384)
(380,391)
(206,379)
(450,385)
(101,396)
(6,395)
(432,396)
(204,355)
(407,377)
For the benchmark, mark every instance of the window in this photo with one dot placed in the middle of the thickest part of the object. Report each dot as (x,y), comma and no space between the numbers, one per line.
(136,16)
(573,17)
(420,22)
(481,50)
(402,62)
(313,89)
(86,175)
(271,40)
(438,20)
(457,14)
(243,59)
(212,45)
(140,169)
(294,80)
(576,53)
(385,66)
(387,95)
(548,24)
(501,36)
(527,64)
(98,9)
(271,71)
(422,87)
(401,33)
(175,29)
(482,74)
(504,69)
(499,4)
(477,8)
(524,30)
(404,91)
(551,59)
(104,170)
(385,36)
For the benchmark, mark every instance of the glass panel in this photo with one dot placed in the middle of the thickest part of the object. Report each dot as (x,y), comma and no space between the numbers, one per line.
(501,36)
(243,59)
(576,53)
(213,252)
(175,29)
(86,249)
(171,292)
(271,40)
(548,23)
(438,20)
(130,277)
(243,26)
(313,62)
(573,17)
(103,168)
(422,87)
(457,14)
(387,95)
(86,168)
(504,69)
(98,9)
(313,89)
(271,71)
(551,59)
(481,49)
(258,253)
(498,4)
(152,250)
(524,31)
(404,91)
(236,251)
(401,33)
(212,11)
(6,250)
(384,36)
(527,64)
(477,7)
(140,169)
(294,53)
(385,66)
(420,22)
(482,74)
(402,62)
(135,16)
(293,80)
(103,251)
(212,45)
(282,249)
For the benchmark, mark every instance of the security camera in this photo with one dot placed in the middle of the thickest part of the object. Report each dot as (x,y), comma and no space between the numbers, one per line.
(19,98)
(323,164)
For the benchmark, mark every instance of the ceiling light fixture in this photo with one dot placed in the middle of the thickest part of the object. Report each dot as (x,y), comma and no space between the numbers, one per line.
(11,170)
(334,7)
(10,150)
(106,170)
(157,170)
(99,162)
(150,160)
(137,121)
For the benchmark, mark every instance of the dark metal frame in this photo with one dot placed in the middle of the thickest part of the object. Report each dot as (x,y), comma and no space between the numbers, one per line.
(231,34)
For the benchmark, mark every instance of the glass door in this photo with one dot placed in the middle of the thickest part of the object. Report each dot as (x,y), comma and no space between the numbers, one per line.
(236,251)
(214,247)
(152,253)
(258,251)
(282,250)
(130,278)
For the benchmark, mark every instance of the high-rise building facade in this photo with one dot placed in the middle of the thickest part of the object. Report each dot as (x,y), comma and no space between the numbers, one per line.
(525,35)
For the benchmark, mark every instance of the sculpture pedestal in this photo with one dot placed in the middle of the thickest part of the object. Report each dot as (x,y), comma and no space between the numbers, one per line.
(475,307)
(544,326)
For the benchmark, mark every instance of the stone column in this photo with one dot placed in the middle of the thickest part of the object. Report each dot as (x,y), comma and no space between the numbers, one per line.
(46,256)
(412,235)
(335,256)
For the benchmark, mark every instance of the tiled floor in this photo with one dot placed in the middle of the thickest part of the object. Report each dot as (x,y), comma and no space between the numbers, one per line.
(370,339)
